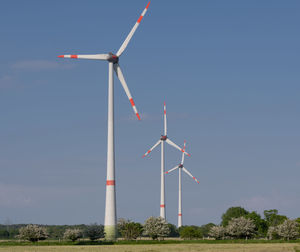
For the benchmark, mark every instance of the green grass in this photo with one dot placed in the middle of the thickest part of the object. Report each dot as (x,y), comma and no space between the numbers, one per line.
(139,242)
(194,247)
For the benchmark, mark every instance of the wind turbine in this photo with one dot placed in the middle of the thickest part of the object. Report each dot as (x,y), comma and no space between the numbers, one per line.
(162,141)
(113,65)
(181,167)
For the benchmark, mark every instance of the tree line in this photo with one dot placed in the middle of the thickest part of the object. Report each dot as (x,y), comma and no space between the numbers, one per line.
(237,223)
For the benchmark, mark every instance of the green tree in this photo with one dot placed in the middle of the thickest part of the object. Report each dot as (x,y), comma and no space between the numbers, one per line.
(156,227)
(32,233)
(261,225)
(273,218)
(298,221)
(173,230)
(4,234)
(205,229)
(94,231)
(129,230)
(233,212)
(190,232)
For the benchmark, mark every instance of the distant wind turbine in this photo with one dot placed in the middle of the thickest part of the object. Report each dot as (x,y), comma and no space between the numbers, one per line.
(162,141)
(181,167)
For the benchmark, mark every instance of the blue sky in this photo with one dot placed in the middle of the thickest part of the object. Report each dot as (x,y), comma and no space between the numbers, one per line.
(228,71)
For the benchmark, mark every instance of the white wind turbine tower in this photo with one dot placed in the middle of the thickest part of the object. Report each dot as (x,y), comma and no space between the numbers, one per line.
(162,141)
(113,65)
(181,167)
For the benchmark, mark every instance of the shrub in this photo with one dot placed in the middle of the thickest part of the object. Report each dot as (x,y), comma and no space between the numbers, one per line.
(130,230)
(32,233)
(217,232)
(288,230)
(241,228)
(156,227)
(190,232)
(72,234)
(94,231)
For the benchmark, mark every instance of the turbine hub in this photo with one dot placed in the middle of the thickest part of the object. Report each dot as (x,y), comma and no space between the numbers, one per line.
(180,165)
(163,138)
(113,58)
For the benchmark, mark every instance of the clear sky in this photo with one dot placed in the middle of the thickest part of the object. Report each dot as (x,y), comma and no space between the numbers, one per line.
(228,71)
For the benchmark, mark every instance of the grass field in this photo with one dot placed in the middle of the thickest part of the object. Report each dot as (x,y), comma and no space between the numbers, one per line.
(277,247)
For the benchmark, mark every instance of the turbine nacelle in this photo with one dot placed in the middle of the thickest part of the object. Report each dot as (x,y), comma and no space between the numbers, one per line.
(163,138)
(180,166)
(113,58)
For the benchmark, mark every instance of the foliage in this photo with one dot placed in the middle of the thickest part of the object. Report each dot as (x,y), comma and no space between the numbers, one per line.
(173,230)
(72,234)
(156,227)
(289,229)
(233,212)
(94,231)
(129,230)
(241,228)
(190,232)
(205,229)
(260,224)
(272,233)
(32,233)
(273,218)
(217,232)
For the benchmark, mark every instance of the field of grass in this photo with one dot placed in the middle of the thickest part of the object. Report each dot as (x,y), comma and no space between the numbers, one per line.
(269,247)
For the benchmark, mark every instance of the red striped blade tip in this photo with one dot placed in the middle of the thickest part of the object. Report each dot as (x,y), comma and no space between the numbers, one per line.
(60,56)
(148,5)
(138,116)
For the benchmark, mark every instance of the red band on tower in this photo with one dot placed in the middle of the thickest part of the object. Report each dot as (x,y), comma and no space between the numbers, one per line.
(162,205)
(110,182)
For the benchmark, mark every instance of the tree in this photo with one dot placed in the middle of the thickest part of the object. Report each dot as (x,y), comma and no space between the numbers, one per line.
(95,231)
(273,218)
(298,221)
(173,230)
(190,232)
(32,233)
(233,212)
(241,228)
(289,229)
(156,227)
(217,232)
(72,234)
(272,233)
(205,229)
(129,230)
(260,224)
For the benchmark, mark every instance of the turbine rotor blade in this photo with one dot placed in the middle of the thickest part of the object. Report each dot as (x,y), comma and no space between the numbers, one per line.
(172,169)
(188,173)
(129,36)
(152,148)
(177,147)
(119,73)
(165,119)
(86,56)
(182,158)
